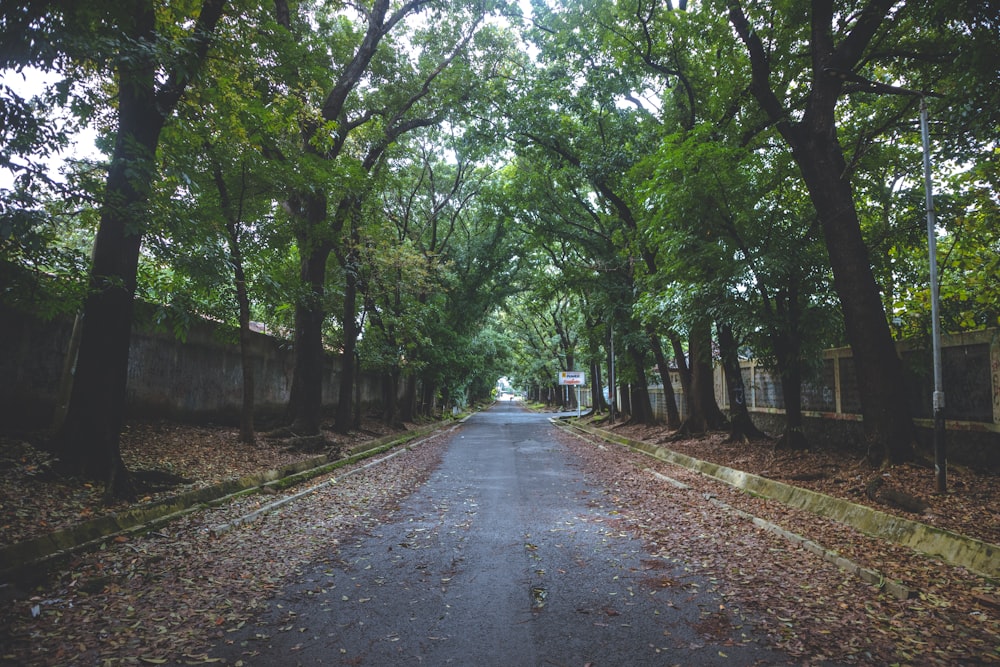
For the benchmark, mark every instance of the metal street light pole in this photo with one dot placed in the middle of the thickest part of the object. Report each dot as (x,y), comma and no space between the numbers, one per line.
(937,398)
(612,386)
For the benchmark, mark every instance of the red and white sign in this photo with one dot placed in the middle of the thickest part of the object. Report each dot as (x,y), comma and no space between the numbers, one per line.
(572,377)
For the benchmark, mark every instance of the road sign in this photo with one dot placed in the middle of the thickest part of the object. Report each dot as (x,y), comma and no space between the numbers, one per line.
(572,377)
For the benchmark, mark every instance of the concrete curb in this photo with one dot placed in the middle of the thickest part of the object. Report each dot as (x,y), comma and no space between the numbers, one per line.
(17,559)
(897,589)
(975,555)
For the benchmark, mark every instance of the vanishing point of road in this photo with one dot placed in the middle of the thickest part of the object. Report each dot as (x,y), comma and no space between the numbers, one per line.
(505,556)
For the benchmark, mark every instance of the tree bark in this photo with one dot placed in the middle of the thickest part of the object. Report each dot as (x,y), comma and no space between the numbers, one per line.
(317,236)
(613,406)
(390,393)
(790,371)
(642,408)
(787,347)
(625,397)
(247,430)
(704,414)
(407,406)
(682,365)
(673,414)
(305,404)
(887,421)
(741,426)
(348,371)
(597,389)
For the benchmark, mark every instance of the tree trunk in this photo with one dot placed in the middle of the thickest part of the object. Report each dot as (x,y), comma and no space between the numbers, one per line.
(642,408)
(682,365)
(568,392)
(673,414)
(348,372)
(887,421)
(790,371)
(390,397)
(89,441)
(704,414)
(247,431)
(66,378)
(597,389)
(358,406)
(613,405)
(787,348)
(306,401)
(625,397)
(741,426)
(407,407)
(428,391)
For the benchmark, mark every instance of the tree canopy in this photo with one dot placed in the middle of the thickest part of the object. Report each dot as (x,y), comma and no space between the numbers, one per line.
(441,192)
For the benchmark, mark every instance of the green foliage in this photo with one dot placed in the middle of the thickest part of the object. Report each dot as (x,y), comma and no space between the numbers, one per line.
(523,187)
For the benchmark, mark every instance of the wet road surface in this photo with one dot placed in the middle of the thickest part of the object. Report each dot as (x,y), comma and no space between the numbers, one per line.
(506,556)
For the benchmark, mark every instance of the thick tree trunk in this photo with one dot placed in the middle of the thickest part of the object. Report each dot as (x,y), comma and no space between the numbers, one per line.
(741,426)
(642,408)
(673,414)
(887,421)
(704,414)
(306,401)
(625,398)
(89,441)
(817,152)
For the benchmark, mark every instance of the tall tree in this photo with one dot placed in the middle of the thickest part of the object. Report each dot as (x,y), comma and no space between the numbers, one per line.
(155,60)
(836,43)
(401,95)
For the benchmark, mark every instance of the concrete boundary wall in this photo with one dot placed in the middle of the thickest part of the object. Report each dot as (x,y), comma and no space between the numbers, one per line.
(195,379)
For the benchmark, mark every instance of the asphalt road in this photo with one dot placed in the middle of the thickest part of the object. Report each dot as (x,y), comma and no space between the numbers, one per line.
(506,556)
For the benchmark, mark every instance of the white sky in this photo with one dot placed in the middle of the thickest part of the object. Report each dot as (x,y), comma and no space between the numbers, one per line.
(28,83)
